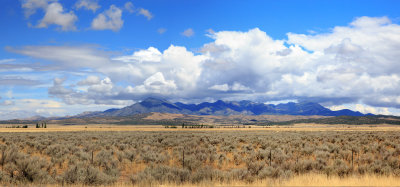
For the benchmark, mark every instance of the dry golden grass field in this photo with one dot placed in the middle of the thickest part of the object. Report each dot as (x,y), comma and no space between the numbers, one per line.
(143,155)
(295,127)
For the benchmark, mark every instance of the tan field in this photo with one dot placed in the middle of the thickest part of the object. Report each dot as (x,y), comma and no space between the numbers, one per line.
(126,155)
(107,127)
(302,180)
(309,180)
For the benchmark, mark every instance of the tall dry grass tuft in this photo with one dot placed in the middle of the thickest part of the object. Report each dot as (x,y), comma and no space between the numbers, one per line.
(323,180)
(307,180)
(298,180)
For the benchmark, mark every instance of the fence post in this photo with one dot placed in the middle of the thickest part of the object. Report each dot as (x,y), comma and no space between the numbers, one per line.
(352,159)
(92,157)
(270,157)
(183,158)
(2,158)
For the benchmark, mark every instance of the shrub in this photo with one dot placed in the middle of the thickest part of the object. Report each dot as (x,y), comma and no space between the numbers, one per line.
(255,167)
(209,156)
(303,166)
(4,178)
(93,176)
(32,170)
(203,174)
(239,174)
(161,174)
(73,175)
(340,168)
(269,172)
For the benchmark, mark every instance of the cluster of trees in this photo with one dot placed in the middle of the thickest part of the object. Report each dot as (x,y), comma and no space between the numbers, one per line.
(190,126)
(41,125)
(17,126)
(170,126)
(196,126)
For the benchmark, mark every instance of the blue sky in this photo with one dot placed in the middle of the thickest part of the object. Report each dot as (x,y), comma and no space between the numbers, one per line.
(62,57)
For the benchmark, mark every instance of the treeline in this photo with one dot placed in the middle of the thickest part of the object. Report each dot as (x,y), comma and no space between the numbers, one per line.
(190,126)
(17,121)
(17,126)
(41,125)
(156,122)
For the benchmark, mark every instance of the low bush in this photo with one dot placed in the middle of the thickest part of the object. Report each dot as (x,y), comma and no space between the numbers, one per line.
(95,158)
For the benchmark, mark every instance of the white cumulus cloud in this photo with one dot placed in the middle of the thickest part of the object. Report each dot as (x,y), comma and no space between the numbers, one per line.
(220,87)
(356,63)
(149,55)
(90,80)
(92,5)
(30,6)
(146,13)
(110,19)
(188,32)
(54,14)
(161,30)
(129,7)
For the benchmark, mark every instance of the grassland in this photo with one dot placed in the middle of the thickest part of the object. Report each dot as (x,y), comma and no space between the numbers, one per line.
(138,128)
(301,154)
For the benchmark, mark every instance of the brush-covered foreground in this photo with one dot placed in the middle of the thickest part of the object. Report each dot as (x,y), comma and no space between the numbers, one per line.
(197,157)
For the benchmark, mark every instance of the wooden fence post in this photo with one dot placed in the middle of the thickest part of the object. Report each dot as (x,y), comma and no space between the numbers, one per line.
(183,158)
(352,159)
(270,157)
(92,157)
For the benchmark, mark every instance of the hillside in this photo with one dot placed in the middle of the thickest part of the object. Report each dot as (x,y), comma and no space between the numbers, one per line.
(152,111)
(156,118)
(221,108)
(349,120)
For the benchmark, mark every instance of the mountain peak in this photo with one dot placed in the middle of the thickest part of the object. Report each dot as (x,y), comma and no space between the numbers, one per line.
(221,107)
(153,99)
(220,102)
(152,102)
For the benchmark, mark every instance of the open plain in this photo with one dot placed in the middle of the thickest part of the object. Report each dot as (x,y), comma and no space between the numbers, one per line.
(143,155)
(294,127)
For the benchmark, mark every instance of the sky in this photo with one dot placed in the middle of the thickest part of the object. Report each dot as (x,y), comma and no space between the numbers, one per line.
(64,57)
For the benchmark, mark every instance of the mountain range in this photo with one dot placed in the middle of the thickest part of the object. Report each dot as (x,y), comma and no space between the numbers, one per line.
(220,107)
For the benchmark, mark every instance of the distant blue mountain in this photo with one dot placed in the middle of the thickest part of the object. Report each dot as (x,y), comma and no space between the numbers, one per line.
(225,108)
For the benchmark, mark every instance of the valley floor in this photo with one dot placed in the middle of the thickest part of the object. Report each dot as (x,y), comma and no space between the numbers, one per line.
(298,155)
(107,127)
